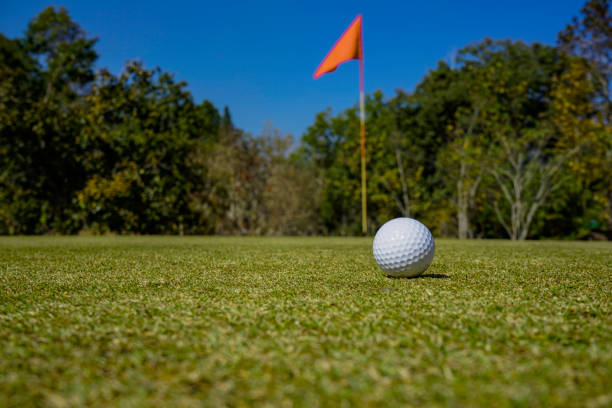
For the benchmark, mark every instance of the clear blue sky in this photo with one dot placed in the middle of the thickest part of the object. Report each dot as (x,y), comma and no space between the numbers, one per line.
(258,57)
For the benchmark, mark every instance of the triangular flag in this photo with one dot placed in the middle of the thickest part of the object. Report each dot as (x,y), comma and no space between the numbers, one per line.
(347,48)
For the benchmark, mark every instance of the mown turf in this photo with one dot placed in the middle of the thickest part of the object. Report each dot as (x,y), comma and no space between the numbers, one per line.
(190,321)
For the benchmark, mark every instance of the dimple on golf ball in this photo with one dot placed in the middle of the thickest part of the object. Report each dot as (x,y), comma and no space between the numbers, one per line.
(403,247)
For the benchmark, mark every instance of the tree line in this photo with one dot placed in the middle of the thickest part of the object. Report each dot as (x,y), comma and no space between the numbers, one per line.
(507,139)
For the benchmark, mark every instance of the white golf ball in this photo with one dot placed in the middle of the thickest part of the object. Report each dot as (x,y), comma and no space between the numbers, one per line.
(403,247)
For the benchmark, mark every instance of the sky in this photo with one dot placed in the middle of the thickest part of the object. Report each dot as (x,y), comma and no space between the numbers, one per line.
(258,57)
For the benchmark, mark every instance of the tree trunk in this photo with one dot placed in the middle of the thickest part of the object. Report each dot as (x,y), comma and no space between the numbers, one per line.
(610,210)
(463,223)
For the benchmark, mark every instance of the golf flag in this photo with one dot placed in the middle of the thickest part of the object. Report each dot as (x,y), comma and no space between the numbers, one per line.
(347,48)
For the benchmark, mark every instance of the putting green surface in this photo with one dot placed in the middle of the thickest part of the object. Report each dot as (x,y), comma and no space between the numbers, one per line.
(192,321)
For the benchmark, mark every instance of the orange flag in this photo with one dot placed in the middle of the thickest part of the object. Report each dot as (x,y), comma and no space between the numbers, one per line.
(347,48)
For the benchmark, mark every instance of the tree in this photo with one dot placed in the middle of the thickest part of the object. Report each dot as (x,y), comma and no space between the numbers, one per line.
(140,131)
(527,156)
(290,196)
(463,160)
(331,144)
(577,119)
(527,177)
(427,120)
(18,93)
(459,168)
(396,163)
(591,37)
(253,186)
(47,74)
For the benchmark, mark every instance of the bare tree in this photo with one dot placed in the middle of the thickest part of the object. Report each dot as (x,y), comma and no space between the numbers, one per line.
(466,151)
(466,196)
(461,163)
(527,174)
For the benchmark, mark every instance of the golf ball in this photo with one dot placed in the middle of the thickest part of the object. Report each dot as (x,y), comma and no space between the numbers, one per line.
(403,247)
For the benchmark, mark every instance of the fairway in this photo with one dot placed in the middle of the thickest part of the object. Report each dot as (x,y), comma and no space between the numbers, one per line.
(190,321)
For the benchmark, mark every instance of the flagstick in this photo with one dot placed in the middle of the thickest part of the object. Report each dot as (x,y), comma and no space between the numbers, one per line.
(364,210)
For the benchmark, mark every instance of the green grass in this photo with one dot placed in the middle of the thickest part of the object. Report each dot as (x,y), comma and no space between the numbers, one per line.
(191,321)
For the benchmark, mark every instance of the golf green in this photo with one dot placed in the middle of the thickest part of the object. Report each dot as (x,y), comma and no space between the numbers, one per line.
(191,321)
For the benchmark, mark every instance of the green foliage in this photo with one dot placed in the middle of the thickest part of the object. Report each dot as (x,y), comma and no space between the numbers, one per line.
(507,140)
(139,131)
(591,37)
(64,52)
(480,149)
(332,144)
(131,153)
(44,74)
